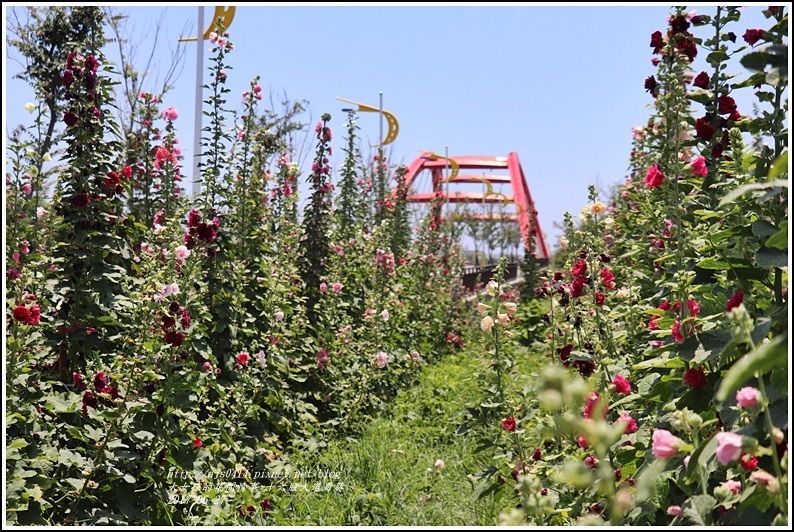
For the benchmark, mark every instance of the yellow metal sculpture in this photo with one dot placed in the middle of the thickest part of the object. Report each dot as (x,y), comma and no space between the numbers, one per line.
(226,14)
(391,120)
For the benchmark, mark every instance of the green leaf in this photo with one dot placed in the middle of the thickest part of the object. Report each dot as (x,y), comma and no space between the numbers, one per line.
(779,166)
(697,509)
(780,239)
(739,191)
(771,258)
(763,228)
(762,359)
(667,360)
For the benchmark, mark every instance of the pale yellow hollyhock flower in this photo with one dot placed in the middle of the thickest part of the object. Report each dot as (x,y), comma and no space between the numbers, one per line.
(504,319)
(609,222)
(563,243)
(30,107)
(482,308)
(511,308)
(584,213)
(486,324)
(598,208)
(46,157)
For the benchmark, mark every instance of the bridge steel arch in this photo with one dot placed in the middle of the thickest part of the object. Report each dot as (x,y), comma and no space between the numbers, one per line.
(520,196)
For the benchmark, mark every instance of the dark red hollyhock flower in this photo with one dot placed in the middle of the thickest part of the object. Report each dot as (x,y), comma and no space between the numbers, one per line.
(599,298)
(731,36)
(688,47)
(703,129)
(748,462)
(727,105)
(78,381)
(679,24)
(185,319)
(91,63)
(266,505)
(536,453)
(189,242)
(174,338)
(752,36)
(168,322)
(100,380)
(734,301)
(697,20)
(701,81)
(656,41)
(89,400)
(68,78)
(605,258)
(70,119)
(585,367)
(618,474)
(509,423)
(174,307)
(21,314)
(112,391)
(695,377)
(193,218)
(80,201)
(565,354)
(579,267)
(651,86)
(597,508)
(735,116)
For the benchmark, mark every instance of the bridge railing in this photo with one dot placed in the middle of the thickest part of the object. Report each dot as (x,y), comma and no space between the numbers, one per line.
(472,274)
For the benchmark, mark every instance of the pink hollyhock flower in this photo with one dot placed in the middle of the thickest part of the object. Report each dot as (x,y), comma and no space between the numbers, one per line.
(13,273)
(385,315)
(594,403)
(675,511)
(729,447)
(169,113)
(695,377)
(581,442)
(654,177)
(686,460)
(764,478)
(677,336)
(734,486)
(415,355)
(261,358)
(735,300)
(698,166)
(243,358)
(748,397)
(337,287)
(381,359)
(631,425)
(279,316)
(622,384)
(694,308)
(40,212)
(665,445)
(27,188)
(207,365)
(182,253)
(323,287)
(591,462)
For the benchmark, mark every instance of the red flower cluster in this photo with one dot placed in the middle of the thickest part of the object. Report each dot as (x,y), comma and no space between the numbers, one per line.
(27,313)
(200,230)
(100,386)
(695,377)
(654,177)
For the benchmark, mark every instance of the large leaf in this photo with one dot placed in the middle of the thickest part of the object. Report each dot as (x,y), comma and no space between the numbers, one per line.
(744,189)
(760,360)
(771,258)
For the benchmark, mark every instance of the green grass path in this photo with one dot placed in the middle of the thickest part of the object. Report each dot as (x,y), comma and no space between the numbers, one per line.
(383,476)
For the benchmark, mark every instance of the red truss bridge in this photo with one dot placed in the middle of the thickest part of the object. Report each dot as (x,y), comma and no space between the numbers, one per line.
(455,188)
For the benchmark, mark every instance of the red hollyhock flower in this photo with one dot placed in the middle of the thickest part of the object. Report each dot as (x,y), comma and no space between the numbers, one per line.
(727,105)
(699,167)
(599,298)
(174,338)
(577,287)
(168,322)
(608,278)
(656,41)
(695,377)
(197,442)
(127,172)
(193,218)
(112,179)
(100,380)
(752,36)
(654,177)
(735,300)
(679,24)
(652,323)
(266,505)
(677,336)
(509,423)
(651,86)
(243,358)
(688,47)
(68,77)
(21,314)
(593,404)
(565,354)
(701,80)
(78,381)
(748,462)
(703,129)
(536,454)
(579,267)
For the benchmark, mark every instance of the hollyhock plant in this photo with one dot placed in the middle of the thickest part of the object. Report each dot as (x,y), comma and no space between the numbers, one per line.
(698,166)
(631,424)
(243,358)
(748,462)
(509,424)
(701,81)
(729,447)
(752,36)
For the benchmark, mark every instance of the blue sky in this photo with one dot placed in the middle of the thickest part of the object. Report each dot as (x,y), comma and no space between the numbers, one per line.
(561,85)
